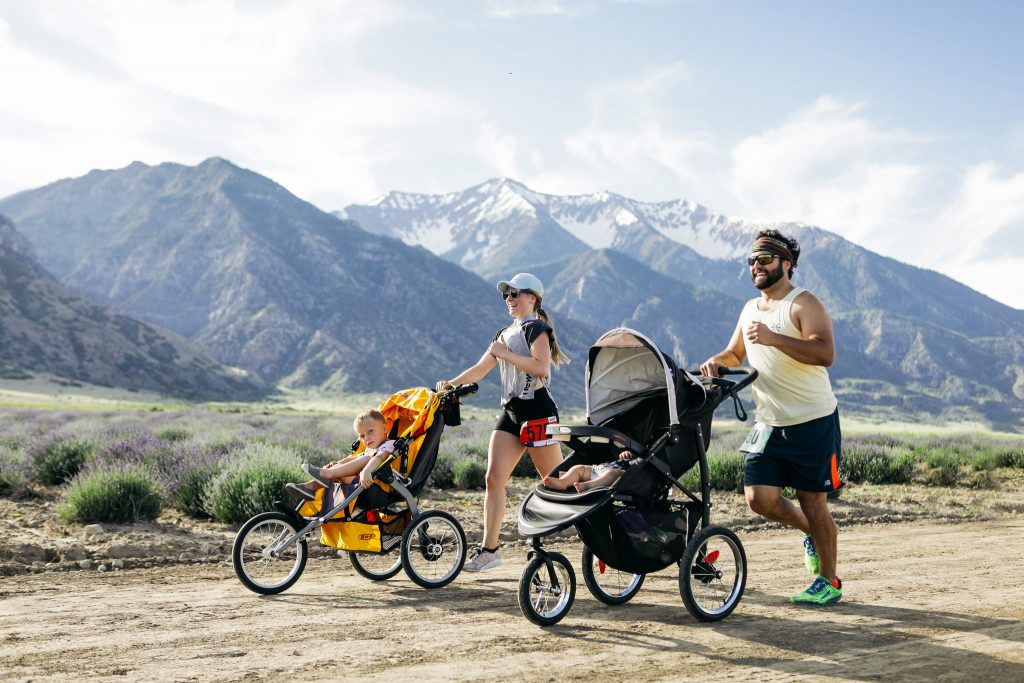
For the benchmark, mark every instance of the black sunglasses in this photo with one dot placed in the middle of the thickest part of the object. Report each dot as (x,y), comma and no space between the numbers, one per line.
(514,293)
(761,259)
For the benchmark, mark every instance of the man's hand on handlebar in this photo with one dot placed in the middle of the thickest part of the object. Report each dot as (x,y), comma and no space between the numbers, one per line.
(709,368)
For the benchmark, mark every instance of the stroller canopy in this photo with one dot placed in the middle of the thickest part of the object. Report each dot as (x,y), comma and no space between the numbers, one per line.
(625,367)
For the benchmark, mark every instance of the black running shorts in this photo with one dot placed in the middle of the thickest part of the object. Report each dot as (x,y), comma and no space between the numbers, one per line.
(519,411)
(805,456)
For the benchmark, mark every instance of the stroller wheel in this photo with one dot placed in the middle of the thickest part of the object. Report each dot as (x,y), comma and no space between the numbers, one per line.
(543,598)
(610,586)
(713,573)
(376,566)
(433,549)
(258,561)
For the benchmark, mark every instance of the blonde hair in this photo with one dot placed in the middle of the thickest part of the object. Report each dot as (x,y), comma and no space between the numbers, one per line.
(368,414)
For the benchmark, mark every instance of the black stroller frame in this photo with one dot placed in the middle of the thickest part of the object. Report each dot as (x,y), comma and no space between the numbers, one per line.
(637,400)
(270,550)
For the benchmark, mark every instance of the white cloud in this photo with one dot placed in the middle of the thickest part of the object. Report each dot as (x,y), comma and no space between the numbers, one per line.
(511,9)
(278,87)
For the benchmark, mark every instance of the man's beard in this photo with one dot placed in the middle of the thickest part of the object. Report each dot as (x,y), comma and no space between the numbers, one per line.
(770,278)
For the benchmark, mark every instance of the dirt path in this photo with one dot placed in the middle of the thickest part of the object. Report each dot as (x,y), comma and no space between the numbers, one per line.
(953,613)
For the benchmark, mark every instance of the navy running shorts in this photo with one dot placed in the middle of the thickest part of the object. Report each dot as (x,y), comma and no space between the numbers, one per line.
(805,456)
(519,411)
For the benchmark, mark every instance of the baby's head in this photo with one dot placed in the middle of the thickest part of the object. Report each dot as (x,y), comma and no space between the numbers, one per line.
(371,428)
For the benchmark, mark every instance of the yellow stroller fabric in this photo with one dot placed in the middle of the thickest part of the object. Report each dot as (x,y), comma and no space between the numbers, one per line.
(407,414)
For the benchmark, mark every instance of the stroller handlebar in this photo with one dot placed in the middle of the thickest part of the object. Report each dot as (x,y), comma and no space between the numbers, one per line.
(730,385)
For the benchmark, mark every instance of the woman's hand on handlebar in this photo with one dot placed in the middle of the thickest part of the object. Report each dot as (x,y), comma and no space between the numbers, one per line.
(443,385)
(709,368)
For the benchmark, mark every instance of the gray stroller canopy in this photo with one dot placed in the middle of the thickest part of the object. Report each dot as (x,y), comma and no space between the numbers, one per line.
(625,367)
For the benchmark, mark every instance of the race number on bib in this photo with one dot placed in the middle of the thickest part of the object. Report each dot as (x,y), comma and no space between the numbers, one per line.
(534,433)
(757,439)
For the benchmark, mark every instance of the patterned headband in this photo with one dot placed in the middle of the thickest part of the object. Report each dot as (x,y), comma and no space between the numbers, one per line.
(773,246)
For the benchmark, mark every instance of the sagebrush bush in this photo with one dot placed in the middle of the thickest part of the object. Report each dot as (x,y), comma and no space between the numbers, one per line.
(173,434)
(469,473)
(943,468)
(725,473)
(876,464)
(116,494)
(14,472)
(250,483)
(189,496)
(58,458)
(443,474)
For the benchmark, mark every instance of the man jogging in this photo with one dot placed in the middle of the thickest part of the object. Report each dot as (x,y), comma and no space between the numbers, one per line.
(786,334)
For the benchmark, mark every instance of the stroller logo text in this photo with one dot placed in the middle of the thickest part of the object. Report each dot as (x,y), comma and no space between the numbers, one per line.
(367,537)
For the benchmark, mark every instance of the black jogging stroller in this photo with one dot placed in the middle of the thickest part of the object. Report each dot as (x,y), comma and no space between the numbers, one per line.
(637,400)
(382,527)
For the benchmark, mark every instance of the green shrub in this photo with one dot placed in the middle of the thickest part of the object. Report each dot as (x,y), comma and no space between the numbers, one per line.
(443,474)
(469,474)
(118,494)
(251,483)
(878,465)
(174,434)
(56,460)
(190,495)
(725,473)
(943,468)
(13,472)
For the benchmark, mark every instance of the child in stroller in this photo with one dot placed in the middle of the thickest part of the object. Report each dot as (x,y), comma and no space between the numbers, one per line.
(583,477)
(645,519)
(372,429)
(381,526)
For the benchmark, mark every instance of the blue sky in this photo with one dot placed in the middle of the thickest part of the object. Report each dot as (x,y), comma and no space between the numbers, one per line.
(899,125)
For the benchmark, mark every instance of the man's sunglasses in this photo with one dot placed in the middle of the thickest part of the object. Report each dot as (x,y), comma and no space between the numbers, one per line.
(513,293)
(761,259)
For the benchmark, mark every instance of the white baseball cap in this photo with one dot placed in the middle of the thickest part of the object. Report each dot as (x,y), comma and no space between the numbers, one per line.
(523,281)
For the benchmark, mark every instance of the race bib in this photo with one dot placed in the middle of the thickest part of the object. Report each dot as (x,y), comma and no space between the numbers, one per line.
(534,433)
(757,439)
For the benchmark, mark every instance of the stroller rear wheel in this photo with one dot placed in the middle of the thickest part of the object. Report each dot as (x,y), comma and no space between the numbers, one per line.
(610,586)
(376,566)
(259,563)
(713,573)
(545,601)
(433,549)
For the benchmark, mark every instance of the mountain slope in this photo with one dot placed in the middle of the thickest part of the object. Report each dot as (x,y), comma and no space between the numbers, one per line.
(46,330)
(262,279)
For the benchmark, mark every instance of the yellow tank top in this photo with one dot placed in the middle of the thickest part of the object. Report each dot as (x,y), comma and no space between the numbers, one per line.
(786,391)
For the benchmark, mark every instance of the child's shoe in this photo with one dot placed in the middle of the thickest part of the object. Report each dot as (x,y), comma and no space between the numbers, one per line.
(300,491)
(316,473)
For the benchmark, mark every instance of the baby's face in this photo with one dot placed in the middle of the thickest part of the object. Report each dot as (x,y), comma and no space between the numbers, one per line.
(372,433)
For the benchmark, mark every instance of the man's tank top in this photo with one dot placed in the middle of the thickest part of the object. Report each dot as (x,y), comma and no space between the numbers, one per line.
(786,391)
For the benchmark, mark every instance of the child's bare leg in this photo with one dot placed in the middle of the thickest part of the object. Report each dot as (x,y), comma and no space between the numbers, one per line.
(573,475)
(606,478)
(346,469)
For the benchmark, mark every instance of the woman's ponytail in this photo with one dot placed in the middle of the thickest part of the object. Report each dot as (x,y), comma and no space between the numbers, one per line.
(557,357)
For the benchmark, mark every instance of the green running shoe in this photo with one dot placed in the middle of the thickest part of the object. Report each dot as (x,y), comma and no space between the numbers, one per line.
(819,594)
(811,559)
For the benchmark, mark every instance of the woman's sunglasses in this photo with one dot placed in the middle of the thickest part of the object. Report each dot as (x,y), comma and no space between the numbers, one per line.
(513,293)
(761,259)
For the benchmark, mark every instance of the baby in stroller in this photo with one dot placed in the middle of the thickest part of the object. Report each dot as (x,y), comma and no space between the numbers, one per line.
(585,477)
(372,429)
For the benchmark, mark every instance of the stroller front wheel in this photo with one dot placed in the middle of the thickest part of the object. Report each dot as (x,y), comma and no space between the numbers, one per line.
(543,598)
(712,573)
(610,586)
(260,563)
(433,549)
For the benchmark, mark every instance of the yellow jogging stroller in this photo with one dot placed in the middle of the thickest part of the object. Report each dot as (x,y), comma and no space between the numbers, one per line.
(381,527)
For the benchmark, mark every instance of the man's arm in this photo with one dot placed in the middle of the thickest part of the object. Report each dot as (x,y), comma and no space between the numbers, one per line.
(732,356)
(817,343)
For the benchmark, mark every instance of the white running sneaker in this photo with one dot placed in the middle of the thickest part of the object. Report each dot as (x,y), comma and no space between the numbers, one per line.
(481,560)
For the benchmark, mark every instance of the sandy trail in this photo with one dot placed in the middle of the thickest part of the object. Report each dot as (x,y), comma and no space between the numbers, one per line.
(923,601)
